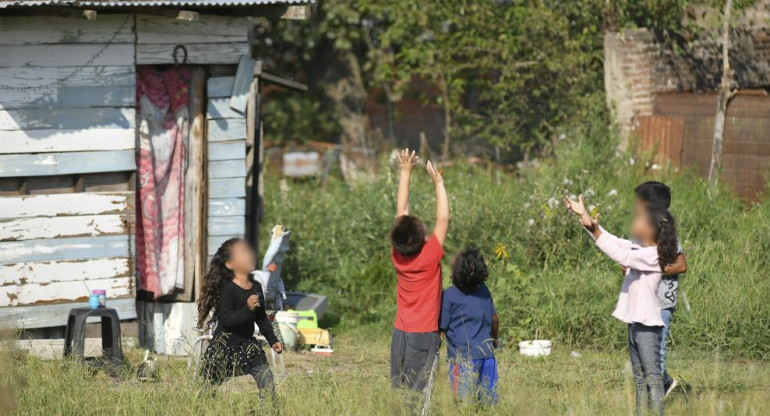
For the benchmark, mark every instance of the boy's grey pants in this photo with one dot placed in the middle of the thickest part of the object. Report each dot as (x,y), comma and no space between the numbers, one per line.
(411,358)
(644,351)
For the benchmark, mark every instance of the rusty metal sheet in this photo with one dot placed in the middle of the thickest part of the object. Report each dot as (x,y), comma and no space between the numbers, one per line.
(664,135)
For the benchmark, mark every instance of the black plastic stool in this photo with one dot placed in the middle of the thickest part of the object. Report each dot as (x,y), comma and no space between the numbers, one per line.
(76,333)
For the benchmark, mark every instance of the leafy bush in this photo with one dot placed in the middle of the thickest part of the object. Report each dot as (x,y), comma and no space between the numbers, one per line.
(545,274)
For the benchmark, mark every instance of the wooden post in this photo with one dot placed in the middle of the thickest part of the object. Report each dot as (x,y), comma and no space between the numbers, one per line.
(725,94)
(253,160)
(194,186)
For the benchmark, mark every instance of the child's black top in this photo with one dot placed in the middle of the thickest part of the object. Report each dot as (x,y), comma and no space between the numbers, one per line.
(234,350)
(235,318)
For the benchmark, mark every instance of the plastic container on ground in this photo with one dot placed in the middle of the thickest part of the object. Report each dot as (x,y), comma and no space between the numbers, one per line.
(535,348)
(287,324)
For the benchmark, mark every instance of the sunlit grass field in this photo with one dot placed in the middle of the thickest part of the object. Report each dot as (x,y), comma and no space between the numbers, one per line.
(355,382)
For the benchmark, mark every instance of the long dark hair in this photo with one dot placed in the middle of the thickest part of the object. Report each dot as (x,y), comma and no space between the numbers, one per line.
(469,271)
(214,280)
(665,235)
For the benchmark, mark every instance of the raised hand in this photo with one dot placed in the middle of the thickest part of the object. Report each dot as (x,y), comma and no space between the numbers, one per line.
(434,173)
(278,347)
(406,160)
(578,207)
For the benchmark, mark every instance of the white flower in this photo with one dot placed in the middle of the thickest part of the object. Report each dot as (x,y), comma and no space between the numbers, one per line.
(566,181)
(573,197)
(561,136)
(530,222)
(631,161)
(655,166)
(589,193)
(527,205)
(613,192)
(553,203)
(591,209)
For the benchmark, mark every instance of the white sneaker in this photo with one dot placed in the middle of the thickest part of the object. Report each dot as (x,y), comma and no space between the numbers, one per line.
(671,387)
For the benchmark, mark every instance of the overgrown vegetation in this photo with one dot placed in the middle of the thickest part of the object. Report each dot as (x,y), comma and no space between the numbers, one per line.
(545,274)
(506,73)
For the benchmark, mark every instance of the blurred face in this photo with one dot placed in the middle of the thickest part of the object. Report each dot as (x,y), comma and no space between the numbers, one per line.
(242,259)
(641,227)
(640,207)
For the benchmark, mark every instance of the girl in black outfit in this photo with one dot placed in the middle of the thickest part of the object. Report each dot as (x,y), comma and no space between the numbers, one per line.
(238,304)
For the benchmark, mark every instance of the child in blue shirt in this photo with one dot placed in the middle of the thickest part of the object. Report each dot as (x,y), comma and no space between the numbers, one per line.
(469,324)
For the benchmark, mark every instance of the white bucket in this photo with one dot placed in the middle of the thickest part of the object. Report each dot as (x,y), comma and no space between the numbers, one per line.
(287,324)
(535,348)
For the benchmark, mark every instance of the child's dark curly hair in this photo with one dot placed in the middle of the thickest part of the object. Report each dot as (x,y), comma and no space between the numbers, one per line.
(469,270)
(407,235)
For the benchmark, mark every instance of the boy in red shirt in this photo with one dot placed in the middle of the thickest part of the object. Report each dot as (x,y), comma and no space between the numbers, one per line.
(417,260)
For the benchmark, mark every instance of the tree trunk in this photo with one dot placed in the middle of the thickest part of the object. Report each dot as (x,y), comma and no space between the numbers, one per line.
(344,86)
(725,94)
(447,118)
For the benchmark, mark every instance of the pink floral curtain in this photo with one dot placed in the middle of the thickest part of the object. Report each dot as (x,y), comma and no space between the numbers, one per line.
(162,98)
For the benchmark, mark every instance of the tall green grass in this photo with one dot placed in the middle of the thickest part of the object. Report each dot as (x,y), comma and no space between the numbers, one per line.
(355,382)
(545,273)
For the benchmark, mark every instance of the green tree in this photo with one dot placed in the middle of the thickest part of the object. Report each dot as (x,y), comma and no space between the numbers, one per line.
(512,74)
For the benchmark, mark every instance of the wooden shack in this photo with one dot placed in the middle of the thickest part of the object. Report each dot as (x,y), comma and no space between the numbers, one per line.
(70,133)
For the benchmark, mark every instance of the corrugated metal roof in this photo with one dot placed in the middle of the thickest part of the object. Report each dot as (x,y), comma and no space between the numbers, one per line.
(145,3)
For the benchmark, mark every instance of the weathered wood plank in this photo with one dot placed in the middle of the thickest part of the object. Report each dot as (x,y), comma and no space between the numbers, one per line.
(62,87)
(66,163)
(219,87)
(94,76)
(227,169)
(207,29)
(68,118)
(242,83)
(194,188)
(220,108)
(65,249)
(197,53)
(227,188)
(62,292)
(227,226)
(233,150)
(224,129)
(43,316)
(68,55)
(227,207)
(69,97)
(214,242)
(36,30)
(55,140)
(41,272)
(56,227)
(85,203)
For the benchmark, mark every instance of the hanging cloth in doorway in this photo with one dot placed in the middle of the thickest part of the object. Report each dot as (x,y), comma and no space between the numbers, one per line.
(162,98)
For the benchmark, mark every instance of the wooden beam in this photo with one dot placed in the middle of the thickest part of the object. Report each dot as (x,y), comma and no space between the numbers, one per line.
(282,11)
(89,14)
(297,12)
(284,82)
(187,15)
(194,182)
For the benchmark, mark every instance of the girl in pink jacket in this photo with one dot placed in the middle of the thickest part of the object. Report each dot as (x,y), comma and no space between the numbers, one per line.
(638,303)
